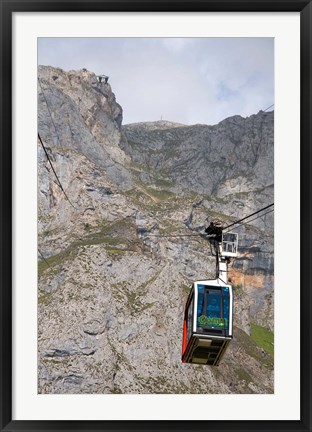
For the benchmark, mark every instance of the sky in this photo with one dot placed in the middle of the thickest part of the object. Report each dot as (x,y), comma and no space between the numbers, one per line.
(183,80)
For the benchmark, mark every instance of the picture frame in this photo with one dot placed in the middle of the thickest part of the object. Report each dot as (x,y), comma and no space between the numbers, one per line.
(8,8)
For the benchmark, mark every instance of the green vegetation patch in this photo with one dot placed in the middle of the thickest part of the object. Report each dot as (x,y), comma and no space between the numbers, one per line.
(135,304)
(160,182)
(110,234)
(237,288)
(133,299)
(44,298)
(99,238)
(263,337)
(218,215)
(215,199)
(160,194)
(155,193)
(142,289)
(56,260)
(243,375)
(186,288)
(116,252)
(252,348)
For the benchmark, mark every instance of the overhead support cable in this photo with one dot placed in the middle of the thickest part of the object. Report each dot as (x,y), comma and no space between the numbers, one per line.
(268,107)
(43,257)
(247,217)
(56,176)
(226,227)
(258,217)
(57,135)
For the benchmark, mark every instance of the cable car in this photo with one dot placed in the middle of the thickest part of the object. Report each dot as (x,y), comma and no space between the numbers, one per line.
(208,317)
(208,322)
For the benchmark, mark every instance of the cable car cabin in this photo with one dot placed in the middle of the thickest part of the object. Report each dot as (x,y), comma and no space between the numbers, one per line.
(207,322)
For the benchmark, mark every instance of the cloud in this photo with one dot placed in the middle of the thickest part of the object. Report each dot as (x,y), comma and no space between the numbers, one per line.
(177,45)
(186,80)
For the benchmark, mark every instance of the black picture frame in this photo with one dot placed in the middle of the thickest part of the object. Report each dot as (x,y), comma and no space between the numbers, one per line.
(8,7)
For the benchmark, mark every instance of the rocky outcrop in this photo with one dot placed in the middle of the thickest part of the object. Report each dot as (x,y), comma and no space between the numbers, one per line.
(78,112)
(113,269)
(232,158)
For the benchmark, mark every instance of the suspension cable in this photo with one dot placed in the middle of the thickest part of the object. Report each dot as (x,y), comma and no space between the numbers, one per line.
(247,217)
(41,254)
(270,211)
(56,176)
(226,227)
(268,107)
(57,135)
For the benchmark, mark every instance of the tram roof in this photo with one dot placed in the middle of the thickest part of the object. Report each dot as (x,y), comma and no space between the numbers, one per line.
(213,282)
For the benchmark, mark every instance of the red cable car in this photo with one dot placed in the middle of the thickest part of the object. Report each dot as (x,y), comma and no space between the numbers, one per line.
(208,317)
(208,322)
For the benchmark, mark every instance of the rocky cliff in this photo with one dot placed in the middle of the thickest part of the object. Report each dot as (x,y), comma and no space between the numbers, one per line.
(113,269)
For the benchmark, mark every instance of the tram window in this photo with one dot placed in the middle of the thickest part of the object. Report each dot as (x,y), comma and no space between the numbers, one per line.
(213,308)
(189,319)
(200,300)
(226,307)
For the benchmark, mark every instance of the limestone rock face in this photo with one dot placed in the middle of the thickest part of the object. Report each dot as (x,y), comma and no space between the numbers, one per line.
(76,111)
(232,158)
(114,270)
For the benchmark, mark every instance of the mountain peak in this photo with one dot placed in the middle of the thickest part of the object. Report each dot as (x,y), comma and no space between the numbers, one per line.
(155,125)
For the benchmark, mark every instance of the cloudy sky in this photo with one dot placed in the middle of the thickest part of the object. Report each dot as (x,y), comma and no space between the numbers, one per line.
(185,80)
